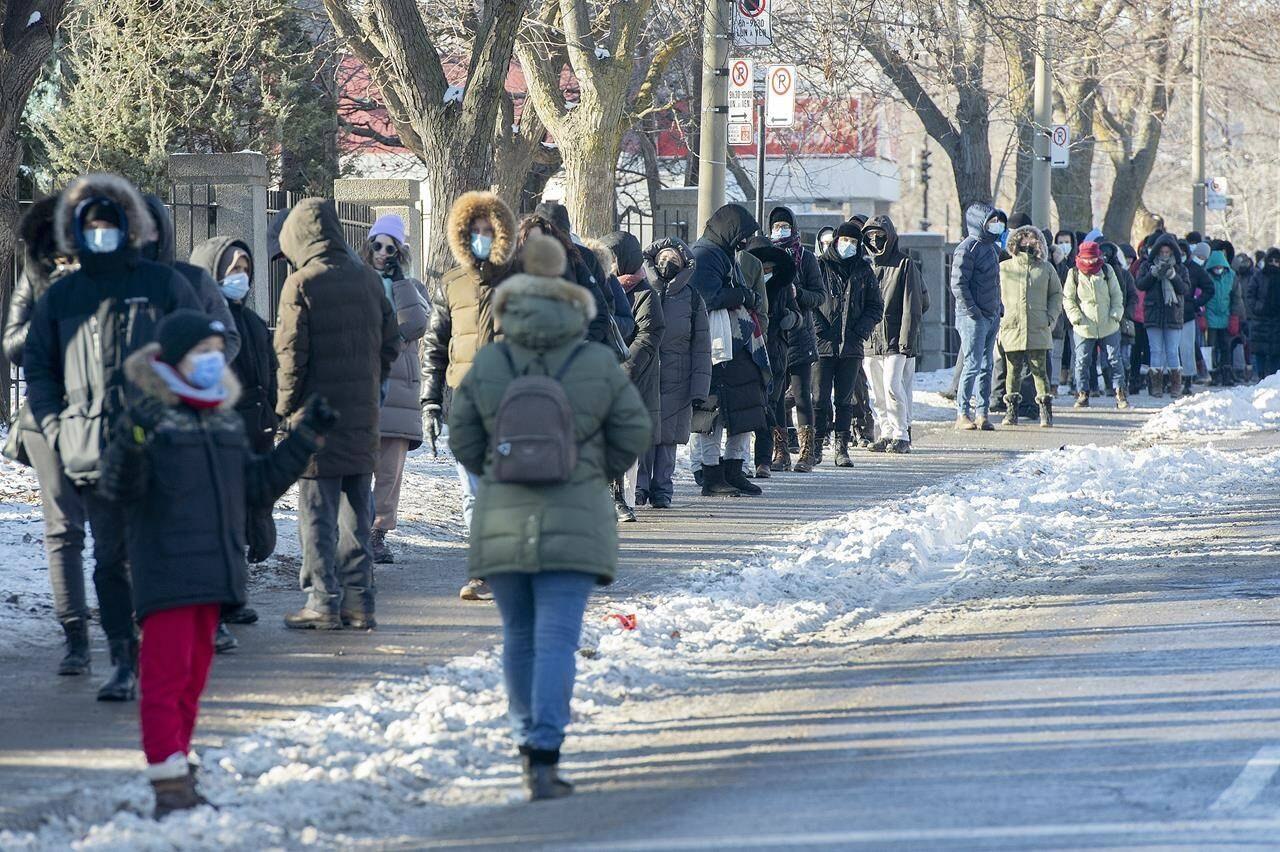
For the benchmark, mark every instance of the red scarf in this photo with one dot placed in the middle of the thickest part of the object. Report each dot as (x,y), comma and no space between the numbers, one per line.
(1089,265)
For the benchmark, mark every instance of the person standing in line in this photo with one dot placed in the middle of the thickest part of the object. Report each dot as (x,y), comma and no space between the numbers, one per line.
(552,217)
(1114,258)
(1262,297)
(62,509)
(400,424)
(1094,303)
(1200,293)
(1032,299)
(1223,315)
(643,364)
(890,351)
(180,466)
(852,310)
(975,284)
(336,337)
(544,546)
(1164,284)
(684,361)
(740,371)
(777,273)
(82,330)
(1064,260)
(481,232)
(802,353)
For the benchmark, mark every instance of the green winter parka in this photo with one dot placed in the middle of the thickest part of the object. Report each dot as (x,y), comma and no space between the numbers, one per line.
(1031,293)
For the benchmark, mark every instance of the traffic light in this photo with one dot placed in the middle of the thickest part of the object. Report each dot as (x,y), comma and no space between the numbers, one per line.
(924,166)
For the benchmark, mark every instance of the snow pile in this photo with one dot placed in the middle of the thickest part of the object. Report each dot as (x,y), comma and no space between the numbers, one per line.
(404,750)
(1248,408)
(26,602)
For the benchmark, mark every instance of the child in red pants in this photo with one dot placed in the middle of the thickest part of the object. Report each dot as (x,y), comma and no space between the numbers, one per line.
(180,462)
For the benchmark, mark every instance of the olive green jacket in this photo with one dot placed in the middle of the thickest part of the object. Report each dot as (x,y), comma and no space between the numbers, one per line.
(564,527)
(1031,293)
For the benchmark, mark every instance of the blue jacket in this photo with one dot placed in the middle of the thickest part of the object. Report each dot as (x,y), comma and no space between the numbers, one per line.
(975,267)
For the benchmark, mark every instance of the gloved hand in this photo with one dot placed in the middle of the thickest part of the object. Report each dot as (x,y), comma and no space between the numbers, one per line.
(700,404)
(1171,273)
(732,297)
(432,422)
(1233,325)
(318,416)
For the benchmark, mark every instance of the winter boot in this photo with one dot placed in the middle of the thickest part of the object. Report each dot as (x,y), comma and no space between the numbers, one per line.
(174,784)
(542,776)
(733,476)
(1082,399)
(713,484)
(223,640)
(820,441)
(625,513)
(763,472)
(1046,410)
(984,424)
(1156,378)
(880,446)
(804,464)
(241,615)
(76,661)
(1175,384)
(1122,398)
(964,423)
(900,447)
(1011,403)
(793,440)
(382,554)
(781,458)
(123,683)
(842,450)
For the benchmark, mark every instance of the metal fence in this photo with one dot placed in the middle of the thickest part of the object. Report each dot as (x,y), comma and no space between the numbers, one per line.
(194,209)
(650,227)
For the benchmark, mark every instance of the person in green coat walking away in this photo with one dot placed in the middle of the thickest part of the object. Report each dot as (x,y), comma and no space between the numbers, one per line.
(543,547)
(1032,298)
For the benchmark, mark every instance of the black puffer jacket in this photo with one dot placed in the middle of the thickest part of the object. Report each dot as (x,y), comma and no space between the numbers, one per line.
(902,291)
(644,344)
(785,318)
(89,322)
(1157,314)
(853,307)
(202,281)
(187,491)
(685,352)
(810,292)
(255,365)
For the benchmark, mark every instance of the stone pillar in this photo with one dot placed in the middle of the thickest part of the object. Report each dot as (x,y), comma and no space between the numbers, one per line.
(240,183)
(387,196)
(930,251)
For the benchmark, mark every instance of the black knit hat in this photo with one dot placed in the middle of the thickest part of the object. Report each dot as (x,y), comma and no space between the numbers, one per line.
(849,229)
(180,331)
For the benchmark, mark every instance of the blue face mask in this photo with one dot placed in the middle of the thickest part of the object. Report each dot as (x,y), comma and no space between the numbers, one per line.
(847,250)
(207,369)
(102,240)
(481,246)
(235,286)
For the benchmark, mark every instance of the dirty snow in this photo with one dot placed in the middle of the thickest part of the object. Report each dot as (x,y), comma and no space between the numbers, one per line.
(1222,411)
(408,750)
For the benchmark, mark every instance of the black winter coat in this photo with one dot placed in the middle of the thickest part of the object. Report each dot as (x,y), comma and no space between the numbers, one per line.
(1200,291)
(903,293)
(785,318)
(810,293)
(685,352)
(642,365)
(187,491)
(1262,302)
(853,307)
(1156,313)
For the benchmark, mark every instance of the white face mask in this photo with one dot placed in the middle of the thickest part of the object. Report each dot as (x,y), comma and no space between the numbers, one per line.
(766,276)
(102,240)
(847,249)
(235,286)
(1061,250)
(996,228)
(1197,260)
(781,232)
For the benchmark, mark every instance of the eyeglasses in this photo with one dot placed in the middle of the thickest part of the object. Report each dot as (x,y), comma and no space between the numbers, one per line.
(389,249)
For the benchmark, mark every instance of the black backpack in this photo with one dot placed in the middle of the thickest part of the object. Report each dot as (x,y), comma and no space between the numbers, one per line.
(533,440)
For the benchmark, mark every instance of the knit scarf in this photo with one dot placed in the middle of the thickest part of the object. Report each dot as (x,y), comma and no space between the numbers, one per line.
(198,398)
(1162,267)
(791,244)
(1089,265)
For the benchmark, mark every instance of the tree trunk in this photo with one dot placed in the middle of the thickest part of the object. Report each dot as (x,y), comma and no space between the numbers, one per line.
(970,150)
(10,156)
(448,177)
(590,165)
(1126,198)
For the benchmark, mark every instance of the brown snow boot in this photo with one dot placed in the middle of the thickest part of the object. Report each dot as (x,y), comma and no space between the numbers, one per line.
(804,464)
(1175,384)
(781,457)
(1082,399)
(1122,398)
(1157,383)
(382,554)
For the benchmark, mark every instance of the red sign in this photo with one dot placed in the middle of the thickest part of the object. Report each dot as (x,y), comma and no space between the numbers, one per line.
(753,8)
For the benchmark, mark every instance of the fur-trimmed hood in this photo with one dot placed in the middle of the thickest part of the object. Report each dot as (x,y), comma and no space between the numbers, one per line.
(537,308)
(1028,240)
(141,229)
(139,372)
(39,239)
(474,205)
(604,255)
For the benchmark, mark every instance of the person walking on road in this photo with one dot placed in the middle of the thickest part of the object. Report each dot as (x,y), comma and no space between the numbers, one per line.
(544,545)
(83,328)
(481,232)
(1032,299)
(400,422)
(890,352)
(61,507)
(337,337)
(180,466)
(1164,283)
(975,284)
(1094,303)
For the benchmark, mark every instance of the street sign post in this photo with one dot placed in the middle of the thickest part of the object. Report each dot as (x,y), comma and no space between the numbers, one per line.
(780,96)
(752,24)
(740,134)
(742,91)
(1215,194)
(1060,146)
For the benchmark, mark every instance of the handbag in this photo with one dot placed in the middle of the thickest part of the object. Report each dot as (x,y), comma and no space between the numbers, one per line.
(704,418)
(14,449)
(1127,328)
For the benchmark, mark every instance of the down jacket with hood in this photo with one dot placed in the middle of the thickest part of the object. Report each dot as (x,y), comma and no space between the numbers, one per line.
(187,491)
(568,526)
(88,322)
(1262,300)
(462,318)
(1093,303)
(811,292)
(336,336)
(853,306)
(1226,301)
(785,318)
(644,343)
(1031,294)
(255,366)
(902,291)
(163,250)
(685,352)
(1157,313)
(975,265)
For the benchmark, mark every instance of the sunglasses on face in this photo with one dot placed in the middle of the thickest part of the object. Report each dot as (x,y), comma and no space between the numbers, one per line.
(389,249)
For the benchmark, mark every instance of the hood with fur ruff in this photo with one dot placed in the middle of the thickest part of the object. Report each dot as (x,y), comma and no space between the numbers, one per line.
(141,229)
(1028,240)
(474,205)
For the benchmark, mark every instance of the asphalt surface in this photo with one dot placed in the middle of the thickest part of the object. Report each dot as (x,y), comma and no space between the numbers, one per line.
(1065,700)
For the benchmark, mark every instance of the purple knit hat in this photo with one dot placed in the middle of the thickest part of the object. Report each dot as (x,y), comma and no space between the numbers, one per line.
(389,225)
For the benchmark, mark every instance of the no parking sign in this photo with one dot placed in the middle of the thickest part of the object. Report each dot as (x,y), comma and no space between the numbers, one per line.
(780,96)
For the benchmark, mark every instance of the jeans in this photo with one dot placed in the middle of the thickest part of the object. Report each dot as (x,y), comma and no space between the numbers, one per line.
(704,450)
(657,470)
(111,565)
(1188,342)
(541,625)
(63,512)
(1084,358)
(1038,362)
(335,518)
(1164,348)
(977,349)
(173,668)
(470,485)
(891,378)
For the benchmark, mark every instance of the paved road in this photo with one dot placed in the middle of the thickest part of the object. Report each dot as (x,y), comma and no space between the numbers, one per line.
(55,738)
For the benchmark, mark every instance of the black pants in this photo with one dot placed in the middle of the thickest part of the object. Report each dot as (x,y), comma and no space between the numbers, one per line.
(63,512)
(1140,355)
(801,390)
(111,565)
(842,385)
